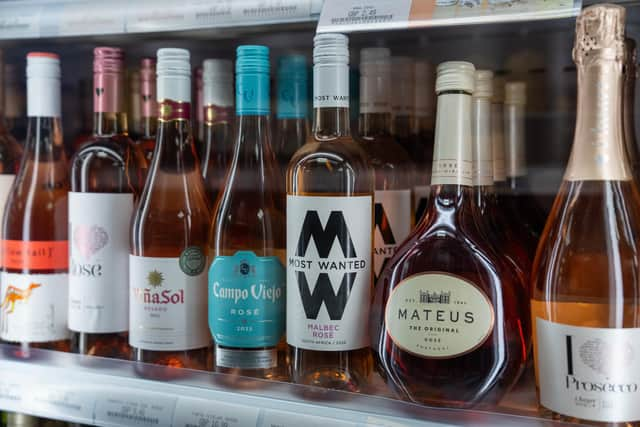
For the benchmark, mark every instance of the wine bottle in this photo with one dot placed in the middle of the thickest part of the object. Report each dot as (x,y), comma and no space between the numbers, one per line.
(247,329)
(167,277)
(198,114)
(10,150)
(422,135)
(402,103)
(134,109)
(33,311)
(291,115)
(392,199)
(445,321)
(106,174)
(329,229)
(585,275)
(149,107)
(217,149)
(628,106)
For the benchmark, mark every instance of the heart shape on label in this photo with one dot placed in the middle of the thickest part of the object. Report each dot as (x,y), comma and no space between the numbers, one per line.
(89,239)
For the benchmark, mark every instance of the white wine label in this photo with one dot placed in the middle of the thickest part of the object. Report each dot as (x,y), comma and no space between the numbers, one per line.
(438,315)
(99,261)
(589,373)
(392,214)
(34,307)
(330,85)
(167,305)
(328,272)
(6,181)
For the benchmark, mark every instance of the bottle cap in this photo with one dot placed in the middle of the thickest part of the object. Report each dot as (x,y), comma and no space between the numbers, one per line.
(483,84)
(600,33)
(43,65)
(108,60)
(515,93)
(331,48)
(456,75)
(213,69)
(292,67)
(217,80)
(253,59)
(173,62)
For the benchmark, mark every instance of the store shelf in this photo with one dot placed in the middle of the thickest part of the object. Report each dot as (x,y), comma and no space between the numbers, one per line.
(119,393)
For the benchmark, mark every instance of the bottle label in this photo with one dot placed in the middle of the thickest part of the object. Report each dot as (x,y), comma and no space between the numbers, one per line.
(247,359)
(246,300)
(172,110)
(167,305)
(438,315)
(99,261)
(330,85)
(35,255)
(392,214)
(328,272)
(589,373)
(252,94)
(292,98)
(214,114)
(34,307)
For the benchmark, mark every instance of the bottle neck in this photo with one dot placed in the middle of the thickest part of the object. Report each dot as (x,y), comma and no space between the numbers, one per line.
(374,125)
(149,105)
(482,146)
(497,139)
(331,101)
(109,116)
(292,98)
(629,113)
(452,155)
(149,127)
(598,151)
(515,162)
(44,137)
(176,147)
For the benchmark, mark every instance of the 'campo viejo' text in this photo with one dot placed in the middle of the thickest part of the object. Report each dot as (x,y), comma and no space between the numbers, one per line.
(257,292)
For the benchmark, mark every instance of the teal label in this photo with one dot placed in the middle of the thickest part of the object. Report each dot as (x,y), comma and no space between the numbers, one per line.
(292,99)
(252,94)
(247,300)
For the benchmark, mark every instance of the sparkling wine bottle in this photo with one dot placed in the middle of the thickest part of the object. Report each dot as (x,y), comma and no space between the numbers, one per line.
(446,321)
(149,108)
(291,115)
(247,238)
(393,218)
(585,276)
(33,311)
(167,277)
(106,175)
(422,135)
(628,107)
(329,229)
(218,99)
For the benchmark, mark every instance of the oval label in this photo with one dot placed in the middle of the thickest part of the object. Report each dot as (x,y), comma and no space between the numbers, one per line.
(438,315)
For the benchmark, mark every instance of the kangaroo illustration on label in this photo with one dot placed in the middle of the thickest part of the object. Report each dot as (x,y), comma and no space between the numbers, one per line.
(14,295)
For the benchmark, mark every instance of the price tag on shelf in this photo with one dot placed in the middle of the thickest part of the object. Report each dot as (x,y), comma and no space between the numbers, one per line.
(345,16)
(290,419)
(74,401)
(12,391)
(206,413)
(118,407)
(19,20)
(90,17)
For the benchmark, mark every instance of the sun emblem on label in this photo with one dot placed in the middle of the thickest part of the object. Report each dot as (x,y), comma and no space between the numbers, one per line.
(155,278)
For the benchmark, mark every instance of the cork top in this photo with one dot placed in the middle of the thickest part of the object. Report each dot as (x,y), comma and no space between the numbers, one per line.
(599,33)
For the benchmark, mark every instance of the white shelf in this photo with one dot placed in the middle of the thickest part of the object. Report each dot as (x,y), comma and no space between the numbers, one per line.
(108,392)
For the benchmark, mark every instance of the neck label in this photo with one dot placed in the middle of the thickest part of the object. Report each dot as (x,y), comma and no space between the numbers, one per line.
(252,94)
(292,98)
(43,97)
(107,93)
(330,86)
(172,110)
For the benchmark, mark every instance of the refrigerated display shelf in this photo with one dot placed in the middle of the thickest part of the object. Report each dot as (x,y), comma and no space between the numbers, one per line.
(107,392)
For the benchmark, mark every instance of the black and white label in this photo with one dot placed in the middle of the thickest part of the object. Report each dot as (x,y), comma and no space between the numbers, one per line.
(392,215)
(328,272)
(589,373)
(99,261)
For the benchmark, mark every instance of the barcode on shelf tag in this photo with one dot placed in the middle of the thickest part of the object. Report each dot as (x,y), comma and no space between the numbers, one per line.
(62,401)
(342,16)
(123,408)
(206,413)
(289,419)
(12,391)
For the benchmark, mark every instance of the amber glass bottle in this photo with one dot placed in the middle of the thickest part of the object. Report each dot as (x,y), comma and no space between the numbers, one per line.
(33,309)
(446,320)
(393,218)
(106,175)
(149,108)
(329,229)
(628,106)
(251,204)
(422,135)
(291,115)
(167,277)
(586,280)
(217,147)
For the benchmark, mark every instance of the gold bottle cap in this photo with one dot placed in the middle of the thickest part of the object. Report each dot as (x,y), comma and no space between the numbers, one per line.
(456,75)
(515,93)
(600,33)
(483,84)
